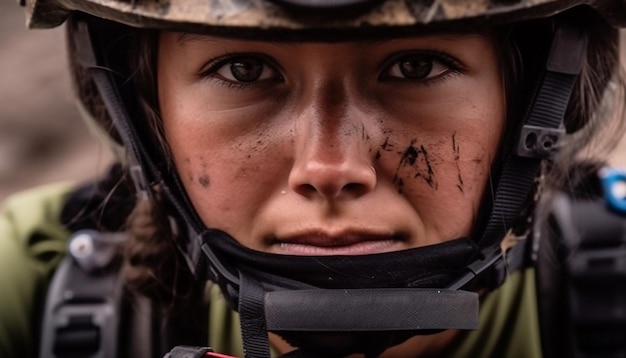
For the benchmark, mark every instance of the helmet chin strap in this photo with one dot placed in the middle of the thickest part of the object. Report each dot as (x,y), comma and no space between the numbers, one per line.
(293,296)
(336,305)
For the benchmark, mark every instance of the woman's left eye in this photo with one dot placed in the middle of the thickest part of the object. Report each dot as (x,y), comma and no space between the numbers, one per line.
(416,67)
(243,70)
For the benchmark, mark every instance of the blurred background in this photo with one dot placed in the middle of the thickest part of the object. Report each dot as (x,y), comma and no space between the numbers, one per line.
(42,138)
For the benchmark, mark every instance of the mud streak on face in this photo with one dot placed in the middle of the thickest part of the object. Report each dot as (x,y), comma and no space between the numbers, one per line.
(417,158)
(457,157)
(204,181)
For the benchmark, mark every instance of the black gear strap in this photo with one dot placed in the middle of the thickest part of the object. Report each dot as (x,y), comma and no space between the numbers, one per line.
(586,300)
(144,167)
(539,137)
(252,317)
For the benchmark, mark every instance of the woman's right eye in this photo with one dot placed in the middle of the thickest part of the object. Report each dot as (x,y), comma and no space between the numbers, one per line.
(243,70)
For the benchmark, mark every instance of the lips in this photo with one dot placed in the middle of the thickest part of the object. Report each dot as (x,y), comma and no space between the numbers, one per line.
(347,242)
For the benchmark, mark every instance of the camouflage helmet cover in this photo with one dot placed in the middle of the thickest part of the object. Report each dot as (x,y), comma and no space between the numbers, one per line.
(194,15)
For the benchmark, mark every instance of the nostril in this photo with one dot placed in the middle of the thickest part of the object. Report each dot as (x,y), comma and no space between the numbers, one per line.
(306,190)
(355,189)
(330,191)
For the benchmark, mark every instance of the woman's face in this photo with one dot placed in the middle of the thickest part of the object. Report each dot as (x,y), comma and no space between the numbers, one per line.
(333,148)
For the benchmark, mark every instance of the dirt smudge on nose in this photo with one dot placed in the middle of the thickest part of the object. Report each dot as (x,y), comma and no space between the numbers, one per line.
(364,135)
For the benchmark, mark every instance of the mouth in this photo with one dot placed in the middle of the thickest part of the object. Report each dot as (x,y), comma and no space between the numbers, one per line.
(320,243)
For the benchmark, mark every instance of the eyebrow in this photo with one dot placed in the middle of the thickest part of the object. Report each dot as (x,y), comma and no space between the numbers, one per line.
(186,37)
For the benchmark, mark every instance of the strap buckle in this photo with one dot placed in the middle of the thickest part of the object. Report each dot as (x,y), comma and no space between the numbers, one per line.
(81,316)
(539,142)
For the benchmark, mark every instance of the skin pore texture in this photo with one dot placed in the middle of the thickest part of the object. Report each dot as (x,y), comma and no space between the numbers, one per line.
(312,148)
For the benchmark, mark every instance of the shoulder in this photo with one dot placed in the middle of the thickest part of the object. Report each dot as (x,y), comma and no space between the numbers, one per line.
(509,323)
(32,243)
(30,223)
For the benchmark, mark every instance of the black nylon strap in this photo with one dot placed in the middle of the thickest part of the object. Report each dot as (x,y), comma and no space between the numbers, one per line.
(108,92)
(548,109)
(252,318)
(143,167)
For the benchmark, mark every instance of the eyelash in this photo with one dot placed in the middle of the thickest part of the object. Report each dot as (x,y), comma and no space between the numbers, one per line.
(212,67)
(454,67)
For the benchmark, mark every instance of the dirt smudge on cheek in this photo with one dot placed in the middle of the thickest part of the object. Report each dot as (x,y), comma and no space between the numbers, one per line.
(204,181)
(416,157)
(198,173)
(387,145)
(457,156)
(413,156)
(400,184)
(187,169)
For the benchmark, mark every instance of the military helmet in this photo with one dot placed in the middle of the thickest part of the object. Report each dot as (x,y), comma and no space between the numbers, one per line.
(190,15)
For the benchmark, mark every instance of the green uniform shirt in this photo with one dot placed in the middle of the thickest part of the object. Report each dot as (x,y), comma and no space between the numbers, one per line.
(33,242)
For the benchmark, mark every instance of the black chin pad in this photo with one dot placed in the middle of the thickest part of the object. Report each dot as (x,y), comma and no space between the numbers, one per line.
(433,266)
(330,306)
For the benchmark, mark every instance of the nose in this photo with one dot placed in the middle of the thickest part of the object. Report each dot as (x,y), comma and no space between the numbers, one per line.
(332,180)
(333,159)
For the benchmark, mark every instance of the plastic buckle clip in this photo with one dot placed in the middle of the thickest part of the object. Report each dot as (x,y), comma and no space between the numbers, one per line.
(539,142)
(595,265)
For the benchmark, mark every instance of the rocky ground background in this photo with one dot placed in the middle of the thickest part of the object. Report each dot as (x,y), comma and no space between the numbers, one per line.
(42,138)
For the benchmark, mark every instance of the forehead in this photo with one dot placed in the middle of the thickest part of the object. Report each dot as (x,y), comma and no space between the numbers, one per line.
(185,38)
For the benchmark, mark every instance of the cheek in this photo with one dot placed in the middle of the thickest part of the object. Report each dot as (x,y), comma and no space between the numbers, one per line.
(443,180)
(441,164)
(435,167)
(227,180)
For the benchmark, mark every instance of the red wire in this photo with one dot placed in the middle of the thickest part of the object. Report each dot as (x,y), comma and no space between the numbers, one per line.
(218,355)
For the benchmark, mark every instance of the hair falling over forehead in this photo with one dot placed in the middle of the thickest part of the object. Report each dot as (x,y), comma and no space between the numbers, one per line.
(596,107)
